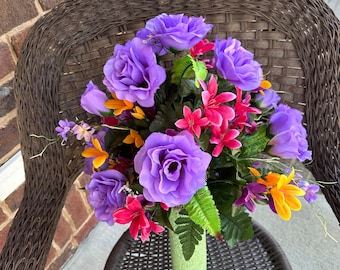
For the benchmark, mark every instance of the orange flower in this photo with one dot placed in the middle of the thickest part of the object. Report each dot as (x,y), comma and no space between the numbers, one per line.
(138,113)
(96,152)
(135,138)
(282,193)
(118,106)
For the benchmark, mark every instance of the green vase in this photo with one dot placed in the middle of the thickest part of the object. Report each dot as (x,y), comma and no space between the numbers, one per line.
(198,261)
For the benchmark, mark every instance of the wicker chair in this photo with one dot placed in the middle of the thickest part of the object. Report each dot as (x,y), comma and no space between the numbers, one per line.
(296,40)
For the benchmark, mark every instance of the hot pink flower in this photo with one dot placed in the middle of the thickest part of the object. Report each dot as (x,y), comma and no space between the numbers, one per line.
(133,212)
(224,137)
(192,121)
(242,109)
(214,109)
(202,47)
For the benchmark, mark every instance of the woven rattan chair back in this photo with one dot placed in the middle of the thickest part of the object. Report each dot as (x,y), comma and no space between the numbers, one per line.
(296,40)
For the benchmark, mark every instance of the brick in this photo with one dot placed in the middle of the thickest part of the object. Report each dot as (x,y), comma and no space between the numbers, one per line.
(76,208)
(9,137)
(63,232)
(52,255)
(15,12)
(13,201)
(86,229)
(48,4)
(7,100)
(59,262)
(83,180)
(7,64)
(3,235)
(3,217)
(17,40)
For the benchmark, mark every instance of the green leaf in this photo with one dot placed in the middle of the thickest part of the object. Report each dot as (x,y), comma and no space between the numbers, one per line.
(255,143)
(189,234)
(182,68)
(202,211)
(200,71)
(235,224)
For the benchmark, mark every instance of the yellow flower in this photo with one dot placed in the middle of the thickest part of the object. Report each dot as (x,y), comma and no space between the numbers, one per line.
(281,191)
(135,138)
(96,152)
(118,106)
(138,113)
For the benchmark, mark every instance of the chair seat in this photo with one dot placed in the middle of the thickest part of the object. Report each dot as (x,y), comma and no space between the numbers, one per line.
(260,252)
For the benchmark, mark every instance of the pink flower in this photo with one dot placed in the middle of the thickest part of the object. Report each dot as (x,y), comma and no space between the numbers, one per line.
(242,109)
(224,137)
(202,47)
(192,121)
(133,212)
(214,109)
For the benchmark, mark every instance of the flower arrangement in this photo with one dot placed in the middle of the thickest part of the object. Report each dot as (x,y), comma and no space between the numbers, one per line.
(205,136)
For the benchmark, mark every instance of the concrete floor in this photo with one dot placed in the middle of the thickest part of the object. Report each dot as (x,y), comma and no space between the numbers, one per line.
(302,238)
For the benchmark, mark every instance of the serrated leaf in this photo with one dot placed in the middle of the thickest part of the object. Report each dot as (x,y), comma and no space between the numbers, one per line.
(255,143)
(189,234)
(181,68)
(200,71)
(202,210)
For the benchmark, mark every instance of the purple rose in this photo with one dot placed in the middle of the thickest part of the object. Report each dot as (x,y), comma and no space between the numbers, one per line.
(289,139)
(105,194)
(171,168)
(132,73)
(173,31)
(268,99)
(93,100)
(237,65)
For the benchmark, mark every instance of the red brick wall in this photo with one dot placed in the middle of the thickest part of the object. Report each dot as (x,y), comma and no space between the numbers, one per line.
(16,17)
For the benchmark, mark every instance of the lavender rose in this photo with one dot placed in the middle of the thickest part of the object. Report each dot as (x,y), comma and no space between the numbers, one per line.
(93,100)
(132,73)
(289,139)
(268,99)
(171,168)
(105,194)
(236,64)
(173,31)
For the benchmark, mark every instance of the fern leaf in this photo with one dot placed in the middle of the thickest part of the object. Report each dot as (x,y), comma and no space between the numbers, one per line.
(202,211)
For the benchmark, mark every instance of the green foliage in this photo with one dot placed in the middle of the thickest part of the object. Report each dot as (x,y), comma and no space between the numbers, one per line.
(202,211)
(255,142)
(189,233)
(182,68)
(235,222)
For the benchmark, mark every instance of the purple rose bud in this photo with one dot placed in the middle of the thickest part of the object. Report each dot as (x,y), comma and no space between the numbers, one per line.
(133,74)
(93,100)
(171,168)
(237,65)
(105,194)
(173,31)
(64,129)
(268,99)
(289,139)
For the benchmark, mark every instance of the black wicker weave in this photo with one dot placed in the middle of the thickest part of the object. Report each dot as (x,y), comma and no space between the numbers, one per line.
(261,252)
(296,40)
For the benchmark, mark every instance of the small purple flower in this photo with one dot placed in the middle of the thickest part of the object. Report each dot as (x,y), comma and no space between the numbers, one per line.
(310,189)
(83,131)
(64,129)
(133,74)
(93,100)
(250,193)
(173,31)
(171,168)
(105,194)
(237,65)
(269,99)
(289,139)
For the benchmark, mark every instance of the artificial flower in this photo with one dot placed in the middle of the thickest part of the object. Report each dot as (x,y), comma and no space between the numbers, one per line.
(310,189)
(250,193)
(105,193)
(176,31)
(171,168)
(119,106)
(193,121)
(132,73)
(96,152)
(138,113)
(93,100)
(236,64)
(65,129)
(134,138)
(83,131)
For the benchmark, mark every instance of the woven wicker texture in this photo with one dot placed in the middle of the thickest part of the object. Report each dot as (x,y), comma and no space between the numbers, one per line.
(296,40)
(261,252)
